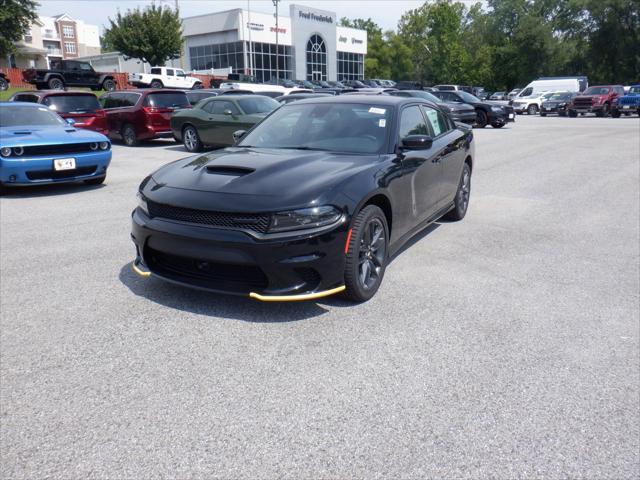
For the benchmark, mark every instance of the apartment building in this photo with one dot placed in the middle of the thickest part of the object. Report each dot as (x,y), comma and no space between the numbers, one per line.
(54,38)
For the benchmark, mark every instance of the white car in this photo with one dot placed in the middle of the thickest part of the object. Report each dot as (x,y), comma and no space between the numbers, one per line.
(530,104)
(164,77)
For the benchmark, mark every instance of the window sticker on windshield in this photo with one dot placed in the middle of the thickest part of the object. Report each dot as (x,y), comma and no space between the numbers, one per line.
(433,119)
(382,123)
(378,111)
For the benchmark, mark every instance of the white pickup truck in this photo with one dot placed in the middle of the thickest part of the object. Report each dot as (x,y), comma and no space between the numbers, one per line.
(164,77)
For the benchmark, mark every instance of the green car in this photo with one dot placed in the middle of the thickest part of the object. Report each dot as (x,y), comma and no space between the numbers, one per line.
(212,121)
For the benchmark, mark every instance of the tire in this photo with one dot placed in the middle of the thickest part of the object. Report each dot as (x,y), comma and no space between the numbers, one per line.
(191,139)
(463,194)
(481,118)
(129,136)
(616,113)
(55,83)
(156,84)
(109,85)
(498,125)
(543,114)
(96,181)
(197,86)
(532,109)
(4,85)
(366,254)
(573,113)
(562,114)
(606,110)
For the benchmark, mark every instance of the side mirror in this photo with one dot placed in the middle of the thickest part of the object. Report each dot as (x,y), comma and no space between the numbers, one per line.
(416,142)
(70,121)
(238,134)
(228,112)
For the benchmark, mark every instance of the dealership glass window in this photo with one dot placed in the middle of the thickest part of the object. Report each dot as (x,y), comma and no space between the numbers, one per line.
(316,58)
(223,55)
(350,66)
(264,61)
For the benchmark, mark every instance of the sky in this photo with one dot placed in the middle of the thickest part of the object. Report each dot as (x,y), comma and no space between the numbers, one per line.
(385,13)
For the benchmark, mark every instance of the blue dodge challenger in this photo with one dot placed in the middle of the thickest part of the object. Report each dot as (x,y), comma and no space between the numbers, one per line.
(37,147)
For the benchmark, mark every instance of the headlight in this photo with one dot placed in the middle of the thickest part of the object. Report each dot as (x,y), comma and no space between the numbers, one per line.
(496,109)
(93,146)
(5,151)
(104,145)
(142,203)
(562,104)
(17,151)
(306,218)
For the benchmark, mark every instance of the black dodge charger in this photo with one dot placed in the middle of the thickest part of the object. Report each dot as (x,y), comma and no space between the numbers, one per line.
(310,202)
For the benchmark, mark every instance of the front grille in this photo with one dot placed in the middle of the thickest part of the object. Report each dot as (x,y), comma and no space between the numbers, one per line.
(205,273)
(629,101)
(582,102)
(45,150)
(56,175)
(255,222)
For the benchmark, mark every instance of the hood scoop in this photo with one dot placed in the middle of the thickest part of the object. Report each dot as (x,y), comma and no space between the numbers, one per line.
(229,170)
(22,133)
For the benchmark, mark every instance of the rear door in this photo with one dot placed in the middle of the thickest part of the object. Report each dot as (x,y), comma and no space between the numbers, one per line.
(171,79)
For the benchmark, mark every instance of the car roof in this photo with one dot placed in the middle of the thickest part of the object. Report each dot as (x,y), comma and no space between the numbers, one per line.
(48,93)
(148,91)
(367,100)
(231,96)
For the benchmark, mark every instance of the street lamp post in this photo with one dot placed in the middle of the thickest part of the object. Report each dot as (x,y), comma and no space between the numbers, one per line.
(275,4)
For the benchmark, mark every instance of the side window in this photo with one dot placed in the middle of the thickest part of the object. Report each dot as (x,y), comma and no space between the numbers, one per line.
(412,122)
(170,72)
(220,106)
(451,97)
(85,67)
(25,97)
(131,99)
(527,92)
(108,101)
(437,121)
(208,107)
(75,66)
(155,71)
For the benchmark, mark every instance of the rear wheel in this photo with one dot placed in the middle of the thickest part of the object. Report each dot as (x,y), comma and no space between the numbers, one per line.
(191,139)
(366,254)
(4,85)
(156,84)
(532,109)
(129,136)
(197,86)
(573,113)
(481,118)
(96,181)
(109,85)
(55,84)
(461,201)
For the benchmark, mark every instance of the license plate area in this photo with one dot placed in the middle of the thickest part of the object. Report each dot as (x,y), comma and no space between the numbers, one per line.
(60,164)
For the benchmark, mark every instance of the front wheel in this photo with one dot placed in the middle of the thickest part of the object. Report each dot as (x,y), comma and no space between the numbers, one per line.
(461,201)
(366,254)
(191,139)
(55,84)
(532,109)
(197,86)
(497,125)
(481,118)
(573,113)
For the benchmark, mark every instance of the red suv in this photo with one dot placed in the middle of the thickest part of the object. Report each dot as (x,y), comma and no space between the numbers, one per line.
(134,115)
(82,107)
(596,100)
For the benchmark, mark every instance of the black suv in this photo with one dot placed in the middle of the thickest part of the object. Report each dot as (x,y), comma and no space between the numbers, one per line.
(487,113)
(69,73)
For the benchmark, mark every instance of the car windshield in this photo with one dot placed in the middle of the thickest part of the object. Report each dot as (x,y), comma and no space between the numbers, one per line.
(467,97)
(334,127)
(258,105)
(560,96)
(596,91)
(635,89)
(167,100)
(72,103)
(18,116)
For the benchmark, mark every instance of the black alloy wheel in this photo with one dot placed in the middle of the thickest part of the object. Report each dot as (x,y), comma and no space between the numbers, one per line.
(156,84)
(366,254)
(461,201)
(109,85)
(191,139)
(129,136)
(4,85)
(55,84)
(481,118)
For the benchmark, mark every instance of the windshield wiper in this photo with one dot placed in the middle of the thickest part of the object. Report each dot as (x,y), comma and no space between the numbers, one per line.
(304,147)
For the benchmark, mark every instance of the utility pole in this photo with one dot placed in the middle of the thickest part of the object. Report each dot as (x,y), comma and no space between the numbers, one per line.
(275,4)
(181,64)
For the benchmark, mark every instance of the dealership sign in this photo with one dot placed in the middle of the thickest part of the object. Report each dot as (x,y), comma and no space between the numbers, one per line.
(315,16)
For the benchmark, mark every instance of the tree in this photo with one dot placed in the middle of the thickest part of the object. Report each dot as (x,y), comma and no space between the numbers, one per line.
(153,35)
(16,16)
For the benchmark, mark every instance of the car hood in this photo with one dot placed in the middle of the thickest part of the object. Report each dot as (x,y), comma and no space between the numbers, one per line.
(254,179)
(46,135)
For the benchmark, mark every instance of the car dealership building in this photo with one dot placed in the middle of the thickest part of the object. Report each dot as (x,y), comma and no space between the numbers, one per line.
(310,44)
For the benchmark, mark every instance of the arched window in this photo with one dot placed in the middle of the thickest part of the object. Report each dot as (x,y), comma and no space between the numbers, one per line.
(316,58)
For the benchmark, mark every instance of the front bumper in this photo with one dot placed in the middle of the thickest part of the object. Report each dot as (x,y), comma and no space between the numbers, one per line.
(40,170)
(302,267)
(587,108)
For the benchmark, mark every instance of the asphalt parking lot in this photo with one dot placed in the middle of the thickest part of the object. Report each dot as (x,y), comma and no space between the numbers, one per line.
(505,345)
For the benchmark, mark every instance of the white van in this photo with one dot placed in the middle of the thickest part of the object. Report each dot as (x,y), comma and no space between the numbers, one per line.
(530,98)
